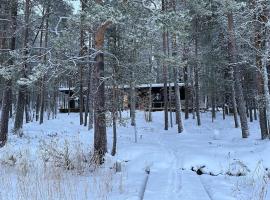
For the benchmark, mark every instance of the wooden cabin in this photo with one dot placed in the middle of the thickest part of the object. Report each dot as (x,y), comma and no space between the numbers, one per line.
(70,97)
(157,96)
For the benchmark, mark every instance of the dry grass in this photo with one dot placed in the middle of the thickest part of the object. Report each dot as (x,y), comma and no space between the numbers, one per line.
(254,185)
(62,172)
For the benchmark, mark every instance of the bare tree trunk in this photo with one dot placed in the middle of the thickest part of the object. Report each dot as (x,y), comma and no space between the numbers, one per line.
(237,78)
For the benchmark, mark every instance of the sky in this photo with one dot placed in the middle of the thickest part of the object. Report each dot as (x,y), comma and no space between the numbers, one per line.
(76,5)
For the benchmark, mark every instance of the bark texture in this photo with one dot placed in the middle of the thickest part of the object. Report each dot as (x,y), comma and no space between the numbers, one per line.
(237,77)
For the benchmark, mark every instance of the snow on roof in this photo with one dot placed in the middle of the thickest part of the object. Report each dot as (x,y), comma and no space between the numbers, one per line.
(153,85)
(66,88)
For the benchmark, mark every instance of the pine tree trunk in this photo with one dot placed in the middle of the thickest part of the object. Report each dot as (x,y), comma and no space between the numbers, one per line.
(187,92)
(55,104)
(196,77)
(192,92)
(22,89)
(7,97)
(250,114)
(100,136)
(83,51)
(177,102)
(235,112)
(165,72)
(114,119)
(27,108)
(260,19)
(11,105)
(223,111)
(213,105)
(176,89)
(237,78)
(90,88)
(5,113)
(165,82)
(38,105)
(19,112)
(38,101)
(86,112)
(170,105)
(133,103)
(100,139)
(150,104)
(42,99)
(69,96)
(91,108)
(255,110)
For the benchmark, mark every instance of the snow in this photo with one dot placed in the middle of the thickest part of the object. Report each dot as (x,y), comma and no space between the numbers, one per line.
(153,85)
(234,168)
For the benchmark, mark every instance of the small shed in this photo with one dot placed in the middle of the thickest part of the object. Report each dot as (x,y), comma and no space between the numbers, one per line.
(70,100)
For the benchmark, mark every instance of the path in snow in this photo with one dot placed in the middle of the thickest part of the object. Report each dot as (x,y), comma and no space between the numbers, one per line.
(171,182)
(171,156)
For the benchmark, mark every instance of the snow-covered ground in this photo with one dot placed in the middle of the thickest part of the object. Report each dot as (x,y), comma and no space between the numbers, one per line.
(52,161)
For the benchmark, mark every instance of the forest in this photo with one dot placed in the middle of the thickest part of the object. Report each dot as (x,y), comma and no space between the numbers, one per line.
(135,99)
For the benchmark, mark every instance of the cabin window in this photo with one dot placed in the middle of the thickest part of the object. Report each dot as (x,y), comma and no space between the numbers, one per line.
(157,97)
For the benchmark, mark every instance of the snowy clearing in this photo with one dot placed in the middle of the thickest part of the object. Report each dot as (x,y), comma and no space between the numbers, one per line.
(52,161)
